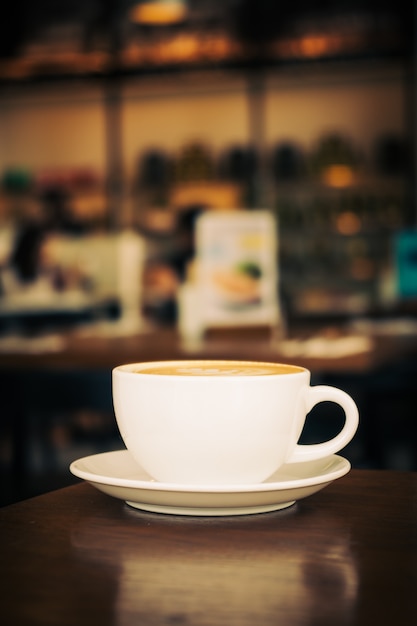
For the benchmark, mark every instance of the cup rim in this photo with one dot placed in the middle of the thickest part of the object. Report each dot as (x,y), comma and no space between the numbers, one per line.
(126,369)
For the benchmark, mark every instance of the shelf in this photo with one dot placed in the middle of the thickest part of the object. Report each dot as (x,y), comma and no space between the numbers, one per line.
(102,42)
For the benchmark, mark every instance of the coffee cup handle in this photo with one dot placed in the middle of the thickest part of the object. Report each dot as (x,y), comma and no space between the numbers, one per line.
(324,393)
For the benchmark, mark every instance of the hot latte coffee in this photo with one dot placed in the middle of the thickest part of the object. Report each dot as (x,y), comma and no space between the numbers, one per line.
(217,368)
(217,422)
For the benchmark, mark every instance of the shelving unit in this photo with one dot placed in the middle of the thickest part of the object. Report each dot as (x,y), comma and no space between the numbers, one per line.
(182,67)
(336,245)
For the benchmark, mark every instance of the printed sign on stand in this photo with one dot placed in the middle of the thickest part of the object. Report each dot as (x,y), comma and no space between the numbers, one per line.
(237,265)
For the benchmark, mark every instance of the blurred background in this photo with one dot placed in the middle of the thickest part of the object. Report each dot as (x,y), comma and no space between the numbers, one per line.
(122,124)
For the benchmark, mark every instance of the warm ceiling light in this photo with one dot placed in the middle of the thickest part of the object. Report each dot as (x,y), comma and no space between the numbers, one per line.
(156,12)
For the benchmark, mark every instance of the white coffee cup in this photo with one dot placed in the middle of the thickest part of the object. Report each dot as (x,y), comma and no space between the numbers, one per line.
(221,422)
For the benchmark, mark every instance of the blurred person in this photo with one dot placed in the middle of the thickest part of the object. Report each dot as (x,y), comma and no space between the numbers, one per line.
(32,263)
(184,250)
(25,259)
(168,269)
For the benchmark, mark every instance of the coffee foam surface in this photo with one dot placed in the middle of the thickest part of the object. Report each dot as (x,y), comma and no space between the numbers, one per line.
(214,368)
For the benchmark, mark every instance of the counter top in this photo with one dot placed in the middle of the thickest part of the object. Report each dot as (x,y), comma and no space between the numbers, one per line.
(349,352)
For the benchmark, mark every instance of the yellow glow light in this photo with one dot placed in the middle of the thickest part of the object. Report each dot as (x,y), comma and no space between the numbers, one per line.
(313,46)
(348,223)
(338,176)
(154,12)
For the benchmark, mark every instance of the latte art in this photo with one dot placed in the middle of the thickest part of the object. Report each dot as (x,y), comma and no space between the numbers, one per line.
(216,368)
(216,371)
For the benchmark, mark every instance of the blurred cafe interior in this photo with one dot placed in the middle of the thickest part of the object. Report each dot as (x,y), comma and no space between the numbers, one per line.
(204,179)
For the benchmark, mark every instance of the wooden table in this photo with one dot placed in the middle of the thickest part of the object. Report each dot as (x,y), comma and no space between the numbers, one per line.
(344,556)
(92,352)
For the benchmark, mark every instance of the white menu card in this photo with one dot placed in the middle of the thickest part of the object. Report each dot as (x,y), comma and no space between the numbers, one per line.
(237,268)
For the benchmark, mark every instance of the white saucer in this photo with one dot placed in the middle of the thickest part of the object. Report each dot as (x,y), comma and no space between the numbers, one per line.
(118,475)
